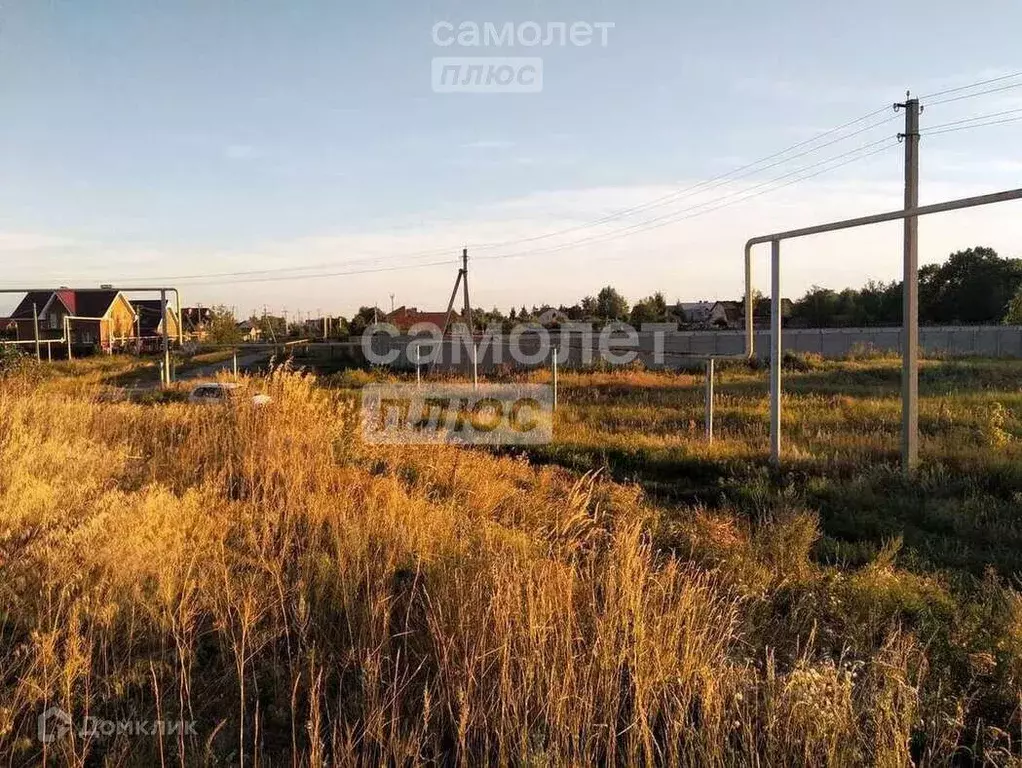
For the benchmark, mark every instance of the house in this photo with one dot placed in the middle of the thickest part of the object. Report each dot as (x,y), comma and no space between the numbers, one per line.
(731,314)
(404,318)
(549,316)
(100,316)
(761,312)
(250,330)
(726,314)
(196,322)
(149,323)
(695,313)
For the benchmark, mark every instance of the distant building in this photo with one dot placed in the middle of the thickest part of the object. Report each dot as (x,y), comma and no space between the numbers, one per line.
(404,318)
(694,313)
(549,316)
(149,323)
(250,331)
(101,317)
(731,314)
(196,322)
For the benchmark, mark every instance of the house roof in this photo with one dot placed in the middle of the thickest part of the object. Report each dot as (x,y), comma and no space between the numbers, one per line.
(94,302)
(24,309)
(88,302)
(405,317)
(732,310)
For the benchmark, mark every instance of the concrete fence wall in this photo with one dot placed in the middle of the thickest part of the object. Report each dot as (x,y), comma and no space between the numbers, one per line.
(680,348)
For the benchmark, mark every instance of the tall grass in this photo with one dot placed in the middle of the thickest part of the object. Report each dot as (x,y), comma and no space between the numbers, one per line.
(307,599)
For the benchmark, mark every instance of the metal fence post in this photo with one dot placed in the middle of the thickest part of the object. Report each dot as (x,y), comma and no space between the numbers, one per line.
(235,362)
(775,352)
(475,363)
(554,362)
(709,400)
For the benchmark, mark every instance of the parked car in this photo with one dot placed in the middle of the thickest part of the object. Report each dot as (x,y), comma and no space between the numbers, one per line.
(222,392)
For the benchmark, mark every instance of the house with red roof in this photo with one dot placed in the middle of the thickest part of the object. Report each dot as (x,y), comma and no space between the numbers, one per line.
(404,318)
(94,317)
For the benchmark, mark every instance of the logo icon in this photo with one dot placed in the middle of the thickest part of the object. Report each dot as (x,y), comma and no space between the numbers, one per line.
(53,724)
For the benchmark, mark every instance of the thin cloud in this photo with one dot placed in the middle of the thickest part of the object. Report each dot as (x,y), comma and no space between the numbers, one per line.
(489,144)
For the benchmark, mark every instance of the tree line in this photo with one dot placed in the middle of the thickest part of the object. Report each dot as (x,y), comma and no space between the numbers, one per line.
(974,286)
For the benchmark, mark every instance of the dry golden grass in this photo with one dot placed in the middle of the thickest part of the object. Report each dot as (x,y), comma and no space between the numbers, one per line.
(310,600)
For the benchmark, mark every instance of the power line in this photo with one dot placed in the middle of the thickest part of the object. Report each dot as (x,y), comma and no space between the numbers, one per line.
(651,224)
(977,125)
(281,273)
(974,119)
(740,172)
(663,221)
(392,268)
(321,265)
(974,95)
(972,85)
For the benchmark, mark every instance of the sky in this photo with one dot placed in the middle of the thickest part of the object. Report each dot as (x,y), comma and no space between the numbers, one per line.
(295,155)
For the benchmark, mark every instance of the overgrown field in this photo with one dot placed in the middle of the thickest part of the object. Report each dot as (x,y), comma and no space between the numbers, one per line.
(307,599)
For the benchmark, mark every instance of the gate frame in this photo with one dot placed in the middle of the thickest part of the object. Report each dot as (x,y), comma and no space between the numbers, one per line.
(775,301)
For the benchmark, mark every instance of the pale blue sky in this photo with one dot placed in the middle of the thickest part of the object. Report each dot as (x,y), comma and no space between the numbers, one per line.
(144,140)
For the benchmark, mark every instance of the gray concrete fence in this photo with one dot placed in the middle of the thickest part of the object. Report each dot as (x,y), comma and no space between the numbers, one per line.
(667,348)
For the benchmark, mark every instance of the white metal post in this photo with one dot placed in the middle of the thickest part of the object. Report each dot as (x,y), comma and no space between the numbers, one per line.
(165,379)
(749,309)
(35,325)
(775,352)
(418,375)
(235,360)
(556,354)
(709,400)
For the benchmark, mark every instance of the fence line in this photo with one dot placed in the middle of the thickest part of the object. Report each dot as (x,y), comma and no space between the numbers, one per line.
(678,349)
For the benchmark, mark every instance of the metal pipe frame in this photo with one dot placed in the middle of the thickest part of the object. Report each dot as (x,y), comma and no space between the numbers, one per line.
(775,296)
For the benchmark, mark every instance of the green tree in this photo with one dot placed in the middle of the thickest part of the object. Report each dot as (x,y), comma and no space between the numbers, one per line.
(338,327)
(365,317)
(611,305)
(972,286)
(652,309)
(1013,314)
(271,328)
(222,327)
(818,308)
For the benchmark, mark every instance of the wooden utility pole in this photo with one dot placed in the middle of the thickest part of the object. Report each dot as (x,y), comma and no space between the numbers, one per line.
(910,318)
(462,276)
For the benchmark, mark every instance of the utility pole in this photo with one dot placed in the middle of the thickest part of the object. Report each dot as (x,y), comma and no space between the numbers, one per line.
(464,272)
(392,303)
(462,275)
(910,318)
(468,315)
